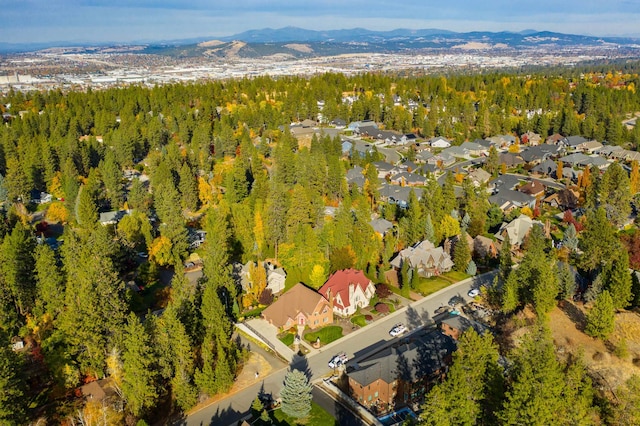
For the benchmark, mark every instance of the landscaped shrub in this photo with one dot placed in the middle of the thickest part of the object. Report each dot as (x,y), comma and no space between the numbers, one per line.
(382,308)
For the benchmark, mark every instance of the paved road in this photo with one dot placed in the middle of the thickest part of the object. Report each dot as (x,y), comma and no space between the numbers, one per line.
(357,344)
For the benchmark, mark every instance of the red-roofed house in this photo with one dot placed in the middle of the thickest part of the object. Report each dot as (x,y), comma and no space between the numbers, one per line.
(348,290)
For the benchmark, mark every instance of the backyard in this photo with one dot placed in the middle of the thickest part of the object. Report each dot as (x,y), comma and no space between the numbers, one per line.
(317,417)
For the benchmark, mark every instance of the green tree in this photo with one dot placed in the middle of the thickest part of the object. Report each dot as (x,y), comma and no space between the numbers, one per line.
(567,281)
(615,194)
(296,395)
(13,400)
(471,392)
(138,369)
(49,281)
(493,161)
(598,241)
(570,238)
(188,188)
(601,317)
(617,280)
(461,253)
(627,409)
(139,197)
(86,209)
(429,231)
(16,267)
(505,261)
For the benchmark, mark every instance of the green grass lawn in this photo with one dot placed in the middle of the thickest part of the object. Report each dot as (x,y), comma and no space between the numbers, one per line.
(359,320)
(429,286)
(287,339)
(327,334)
(317,417)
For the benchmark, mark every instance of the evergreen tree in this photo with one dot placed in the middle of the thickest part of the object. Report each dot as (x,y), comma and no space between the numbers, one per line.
(567,281)
(472,269)
(86,209)
(16,268)
(594,289)
(13,400)
(535,392)
(461,253)
(570,238)
(139,197)
(615,194)
(601,317)
(617,280)
(296,395)
(188,188)
(429,232)
(138,370)
(504,259)
(472,389)
(598,242)
(49,281)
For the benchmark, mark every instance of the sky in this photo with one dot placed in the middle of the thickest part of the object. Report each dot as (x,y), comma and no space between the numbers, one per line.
(29,21)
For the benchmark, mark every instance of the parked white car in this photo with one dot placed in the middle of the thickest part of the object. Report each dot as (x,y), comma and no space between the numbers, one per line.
(338,360)
(473,292)
(397,330)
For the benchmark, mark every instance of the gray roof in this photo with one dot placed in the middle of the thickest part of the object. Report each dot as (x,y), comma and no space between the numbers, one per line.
(514,197)
(574,159)
(380,225)
(505,182)
(383,166)
(575,140)
(547,167)
(355,176)
(398,194)
(510,159)
(539,152)
(409,178)
(472,146)
(463,324)
(456,151)
(409,362)
(594,160)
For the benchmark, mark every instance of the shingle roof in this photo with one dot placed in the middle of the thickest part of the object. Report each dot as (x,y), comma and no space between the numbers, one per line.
(339,282)
(299,299)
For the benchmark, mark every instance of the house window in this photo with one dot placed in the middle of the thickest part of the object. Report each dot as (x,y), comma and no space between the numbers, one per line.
(375,394)
(369,399)
(325,319)
(315,322)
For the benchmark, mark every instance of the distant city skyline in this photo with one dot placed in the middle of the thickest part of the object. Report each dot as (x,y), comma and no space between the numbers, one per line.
(93,21)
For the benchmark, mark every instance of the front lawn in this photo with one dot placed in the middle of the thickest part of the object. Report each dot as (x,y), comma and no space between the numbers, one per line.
(317,417)
(428,286)
(287,339)
(326,334)
(359,320)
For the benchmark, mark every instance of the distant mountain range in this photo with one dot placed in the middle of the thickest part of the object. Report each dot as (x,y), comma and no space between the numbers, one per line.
(299,42)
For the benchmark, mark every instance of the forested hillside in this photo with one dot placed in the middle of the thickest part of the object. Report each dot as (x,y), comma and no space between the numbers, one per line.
(220,157)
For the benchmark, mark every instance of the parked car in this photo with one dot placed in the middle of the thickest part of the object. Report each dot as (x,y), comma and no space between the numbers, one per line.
(442,310)
(456,300)
(338,360)
(397,330)
(473,292)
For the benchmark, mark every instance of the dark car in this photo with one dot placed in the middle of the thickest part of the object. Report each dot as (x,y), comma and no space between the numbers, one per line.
(456,300)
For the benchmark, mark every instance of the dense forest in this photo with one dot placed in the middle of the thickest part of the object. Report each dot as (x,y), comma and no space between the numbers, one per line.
(219,156)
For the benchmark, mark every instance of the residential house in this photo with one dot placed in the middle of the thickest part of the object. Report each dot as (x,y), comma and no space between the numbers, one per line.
(564,199)
(423,156)
(607,150)
(517,229)
(533,188)
(427,169)
(505,182)
(590,147)
(479,176)
(347,290)
(398,194)
(503,141)
(409,166)
(196,237)
(300,306)
(484,247)
(439,142)
(355,176)
(455,325)
(424,257)
(572,160)
(368,130)
(595,160)
(574,142)
(537,154)
(474,148)
(442,160)
(113,217)
(509,159)
(338,123)
(456,151)
(384,169)
(402,374)
(356,125)
(381,226)
(346,147)
(409,179)
(547,167)
(276,276)
(38,197)
(99,390)
(531,138)
(508,200)
(484,143)
(555,139)
(362,148)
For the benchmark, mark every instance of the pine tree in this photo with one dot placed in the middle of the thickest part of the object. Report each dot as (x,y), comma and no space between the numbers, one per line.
(138,369)
(472,269)
(594,289)
(504,259)
(461,253)
(567,281)
(296,395)
(570,238)
(188,188)
(49,281)
(601,317)
(429,232)
(618,280)
(598,242)
(13,400)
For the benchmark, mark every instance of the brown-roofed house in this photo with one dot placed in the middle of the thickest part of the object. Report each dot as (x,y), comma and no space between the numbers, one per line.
(533,188)
(98,390)
(348,289)
(299,306)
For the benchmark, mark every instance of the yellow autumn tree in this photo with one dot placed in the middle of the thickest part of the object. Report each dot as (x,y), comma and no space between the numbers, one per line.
(160,251)
(317,276)
(55,187)
(258,277)
(449,227)
(258,231)
(57,212)
(634,178)
(205,191)
(559,171)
